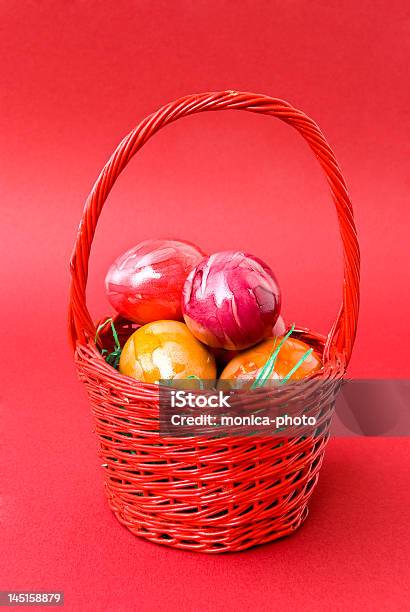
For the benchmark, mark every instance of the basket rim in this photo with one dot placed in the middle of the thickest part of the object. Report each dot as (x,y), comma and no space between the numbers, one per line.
(333,369)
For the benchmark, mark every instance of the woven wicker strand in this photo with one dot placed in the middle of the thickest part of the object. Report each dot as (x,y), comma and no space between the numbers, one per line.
(210,495)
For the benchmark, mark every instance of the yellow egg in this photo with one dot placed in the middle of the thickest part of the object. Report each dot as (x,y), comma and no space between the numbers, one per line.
(166,350)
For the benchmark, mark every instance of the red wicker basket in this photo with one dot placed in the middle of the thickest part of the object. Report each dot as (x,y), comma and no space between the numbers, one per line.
(206,494)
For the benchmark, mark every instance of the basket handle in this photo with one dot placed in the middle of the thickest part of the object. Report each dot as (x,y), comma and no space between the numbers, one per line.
(341,336)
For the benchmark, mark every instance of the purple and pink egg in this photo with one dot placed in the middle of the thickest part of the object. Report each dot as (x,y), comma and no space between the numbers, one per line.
(231,300)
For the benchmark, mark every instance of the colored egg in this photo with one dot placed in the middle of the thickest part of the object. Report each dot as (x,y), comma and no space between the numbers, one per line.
(166,350)
(145,283)
(231,300)
(247,365)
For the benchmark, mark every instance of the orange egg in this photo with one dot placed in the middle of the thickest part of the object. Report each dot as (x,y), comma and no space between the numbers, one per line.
(166,350)
(247,364)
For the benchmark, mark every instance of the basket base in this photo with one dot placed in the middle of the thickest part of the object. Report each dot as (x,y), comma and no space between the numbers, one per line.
(216,540)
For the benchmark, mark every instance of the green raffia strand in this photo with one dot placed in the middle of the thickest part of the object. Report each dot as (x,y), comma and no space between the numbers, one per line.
(197,378)
(112,358)
(295,367)
(269,366)
(99,328)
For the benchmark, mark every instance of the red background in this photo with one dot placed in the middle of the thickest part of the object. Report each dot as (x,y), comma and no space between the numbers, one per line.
(75,77)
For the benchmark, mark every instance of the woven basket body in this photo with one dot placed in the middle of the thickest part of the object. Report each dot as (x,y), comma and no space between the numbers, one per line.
(206,494)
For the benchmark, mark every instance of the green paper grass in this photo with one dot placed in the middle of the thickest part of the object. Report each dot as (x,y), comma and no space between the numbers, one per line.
(267,370)
(112,358)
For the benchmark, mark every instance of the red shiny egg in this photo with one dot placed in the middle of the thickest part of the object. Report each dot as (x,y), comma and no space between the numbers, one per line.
(145,283)
(231,300)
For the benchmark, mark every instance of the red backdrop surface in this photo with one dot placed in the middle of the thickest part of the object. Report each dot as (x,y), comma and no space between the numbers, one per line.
(77,76)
